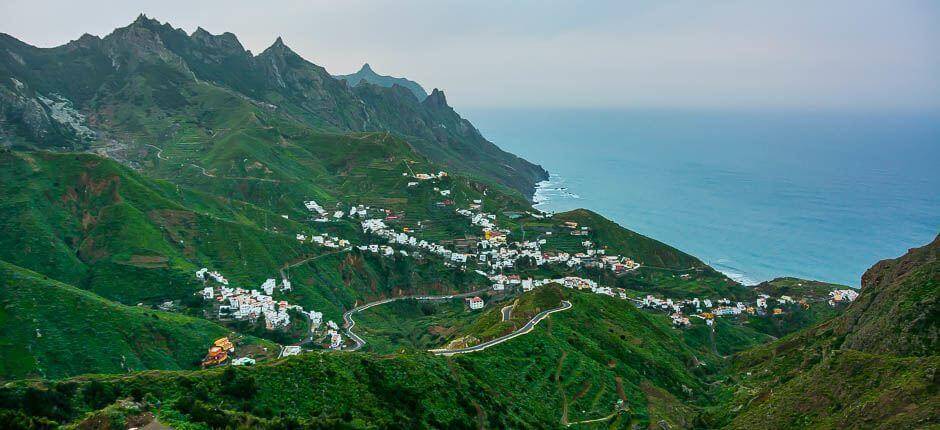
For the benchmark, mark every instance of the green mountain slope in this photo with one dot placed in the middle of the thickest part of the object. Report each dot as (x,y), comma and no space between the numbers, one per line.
(873,367)
(366,74)
(624,369)
(95,224)
(145,155)
(53,330)
(77,96)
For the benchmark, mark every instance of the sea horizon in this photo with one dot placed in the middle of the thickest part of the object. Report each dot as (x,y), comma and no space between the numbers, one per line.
(757,195)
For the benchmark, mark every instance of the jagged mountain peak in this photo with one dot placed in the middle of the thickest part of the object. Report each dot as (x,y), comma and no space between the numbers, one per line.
(278,76)
(144,19)
(367,74)
(436,99)
(279,48)
(226,42)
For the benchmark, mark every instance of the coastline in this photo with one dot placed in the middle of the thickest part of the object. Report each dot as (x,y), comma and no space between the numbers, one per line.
(555,190)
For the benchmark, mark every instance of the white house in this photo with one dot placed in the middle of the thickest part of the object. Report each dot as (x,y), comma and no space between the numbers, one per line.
(268,286)
(243,361)
(290,350)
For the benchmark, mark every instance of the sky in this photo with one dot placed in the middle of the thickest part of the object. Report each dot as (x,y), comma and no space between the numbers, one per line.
(805,55)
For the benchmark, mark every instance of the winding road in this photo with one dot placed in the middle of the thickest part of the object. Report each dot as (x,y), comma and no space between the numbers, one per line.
(349,323)
(565,305)
(507,311)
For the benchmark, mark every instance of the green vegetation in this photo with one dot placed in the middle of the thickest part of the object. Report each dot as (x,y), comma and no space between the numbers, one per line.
(53,330)
(412,324)
(570,368)
(211,152)
(863,368)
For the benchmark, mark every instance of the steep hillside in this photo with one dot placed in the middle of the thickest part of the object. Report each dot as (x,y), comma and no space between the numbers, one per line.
(366,74)
(873,367)
(664,269)
(898,311)
(52,330)
(95,224)
(146,81)
(618,367)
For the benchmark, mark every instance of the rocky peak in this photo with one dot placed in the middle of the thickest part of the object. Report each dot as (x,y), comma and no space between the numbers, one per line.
(144,21)
(366,68)
(226,42)
(436,100)
(86,41)
(280,49)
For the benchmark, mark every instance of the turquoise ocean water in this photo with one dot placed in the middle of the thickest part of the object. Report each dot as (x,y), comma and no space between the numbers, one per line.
(755,194)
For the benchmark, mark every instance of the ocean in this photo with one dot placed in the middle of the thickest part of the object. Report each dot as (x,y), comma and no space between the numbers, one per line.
(757,195)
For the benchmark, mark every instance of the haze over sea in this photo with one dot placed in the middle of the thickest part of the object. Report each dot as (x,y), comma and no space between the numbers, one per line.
(757,195)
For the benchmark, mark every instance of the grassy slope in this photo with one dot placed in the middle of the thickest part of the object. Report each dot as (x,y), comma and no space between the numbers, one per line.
(412,325)
(92,223)
(873,367)
(797,288)
(663,265)
(583,360)
(54,330)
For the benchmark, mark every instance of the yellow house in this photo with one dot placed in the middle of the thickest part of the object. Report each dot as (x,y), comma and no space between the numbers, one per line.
(224,344)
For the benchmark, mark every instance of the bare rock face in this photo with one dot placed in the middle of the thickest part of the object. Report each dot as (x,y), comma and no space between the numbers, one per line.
(42,121)
(27,111)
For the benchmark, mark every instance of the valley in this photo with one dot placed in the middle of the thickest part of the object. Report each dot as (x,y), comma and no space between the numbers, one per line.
(196,236)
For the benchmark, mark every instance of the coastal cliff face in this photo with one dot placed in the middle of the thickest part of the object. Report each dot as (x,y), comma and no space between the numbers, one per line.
(78,95)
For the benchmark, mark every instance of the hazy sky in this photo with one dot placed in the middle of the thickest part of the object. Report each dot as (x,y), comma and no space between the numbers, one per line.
(817,54)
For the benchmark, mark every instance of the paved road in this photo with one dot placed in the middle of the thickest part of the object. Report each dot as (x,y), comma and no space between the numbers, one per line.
(565,305)
(507,311)
(349,323)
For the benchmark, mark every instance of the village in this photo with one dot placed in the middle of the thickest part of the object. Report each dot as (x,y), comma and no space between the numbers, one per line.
(708,309)
(239,304)
(491,254)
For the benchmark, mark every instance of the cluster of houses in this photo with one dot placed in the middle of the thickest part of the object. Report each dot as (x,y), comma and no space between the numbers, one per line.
(709,309)
(378,228)
(501,282)
(493,250)
(427,176)
(496,252)
(241,304)
(842,296)
(355,211)
(324,239)
(205,274)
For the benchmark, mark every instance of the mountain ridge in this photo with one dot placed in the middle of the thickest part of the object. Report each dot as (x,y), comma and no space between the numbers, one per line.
(165,65)
(160,189)
(366,74)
